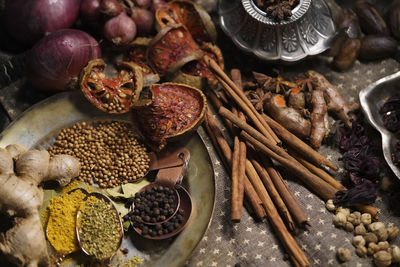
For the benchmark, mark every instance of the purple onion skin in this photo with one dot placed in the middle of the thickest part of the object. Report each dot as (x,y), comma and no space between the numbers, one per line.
(90,13)
(29,20)
(120,29)
(143,3)
(54,62)
(144,20)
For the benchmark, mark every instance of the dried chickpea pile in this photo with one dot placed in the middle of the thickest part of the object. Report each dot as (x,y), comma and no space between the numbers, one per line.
(108,152)
(370,238)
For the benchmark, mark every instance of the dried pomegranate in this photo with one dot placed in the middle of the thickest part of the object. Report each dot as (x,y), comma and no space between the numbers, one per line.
(189,14)
(175,111)
(137,54)
(112,95)
(172,48)
(196,73)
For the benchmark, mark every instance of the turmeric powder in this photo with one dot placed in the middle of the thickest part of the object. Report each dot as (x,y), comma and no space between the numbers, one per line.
(62,219)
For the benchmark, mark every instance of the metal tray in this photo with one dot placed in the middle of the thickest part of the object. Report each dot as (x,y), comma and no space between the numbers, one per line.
(45,118)
(372,98)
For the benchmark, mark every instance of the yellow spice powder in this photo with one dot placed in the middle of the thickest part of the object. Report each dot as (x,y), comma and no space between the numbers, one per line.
(62,219)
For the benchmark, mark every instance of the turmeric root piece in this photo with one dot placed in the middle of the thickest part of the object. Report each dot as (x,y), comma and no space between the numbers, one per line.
(319,119)
(297,98)
(288,117)
(334,100)
(21,197)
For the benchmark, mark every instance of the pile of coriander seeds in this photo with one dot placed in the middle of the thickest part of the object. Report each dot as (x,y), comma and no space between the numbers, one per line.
(109,153)
(370,238)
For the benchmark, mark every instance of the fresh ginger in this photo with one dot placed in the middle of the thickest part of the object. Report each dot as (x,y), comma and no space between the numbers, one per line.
(319,119)
(288,117)
(334,100)
(21,197)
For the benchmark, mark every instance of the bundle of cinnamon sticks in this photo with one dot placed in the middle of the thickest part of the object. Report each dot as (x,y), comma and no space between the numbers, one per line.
(256,144)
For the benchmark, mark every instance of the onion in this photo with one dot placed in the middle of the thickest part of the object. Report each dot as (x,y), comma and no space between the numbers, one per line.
(120,29)
(142,3)
(90,13)
(56,60)
(29,20)
(157,4)
(144,20)
(111,7)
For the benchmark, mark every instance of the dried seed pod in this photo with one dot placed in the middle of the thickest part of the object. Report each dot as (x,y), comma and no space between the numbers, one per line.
(339,219)
(394,19)
(347,54)
(349,227)
(366,219)
(360,229)
(361,251)
(392,232)
(371,21)
(370,237)
(377,47)
(382,259)
(345,211)
(358,240)
(343,254)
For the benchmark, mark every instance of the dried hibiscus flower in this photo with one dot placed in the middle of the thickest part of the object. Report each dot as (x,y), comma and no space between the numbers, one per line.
(361,194)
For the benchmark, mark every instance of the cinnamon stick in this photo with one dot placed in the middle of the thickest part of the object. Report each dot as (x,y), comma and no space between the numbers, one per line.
(319,172)
(225,153)
(297,144)
(292,204)
(242,173)
(236,76)
(280,205)
(236,210)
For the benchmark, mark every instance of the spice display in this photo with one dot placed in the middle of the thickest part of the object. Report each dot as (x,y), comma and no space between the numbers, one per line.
(109,153)
(155,205)
(161,228)
(60,229)
(112,95)
(24,243)
(176,111)
(370,239)
(278,10)
(99,228)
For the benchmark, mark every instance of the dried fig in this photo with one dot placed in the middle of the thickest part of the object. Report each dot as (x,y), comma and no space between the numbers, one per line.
(176,110)
(377,46)
(348,53)
(370,20)
(394,19)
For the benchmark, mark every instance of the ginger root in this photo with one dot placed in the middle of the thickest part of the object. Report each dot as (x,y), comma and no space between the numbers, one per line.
(319,119)
(288,117)
(21,197)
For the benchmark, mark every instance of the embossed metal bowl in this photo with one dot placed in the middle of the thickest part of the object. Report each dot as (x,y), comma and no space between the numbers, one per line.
(309,31)
(372,99)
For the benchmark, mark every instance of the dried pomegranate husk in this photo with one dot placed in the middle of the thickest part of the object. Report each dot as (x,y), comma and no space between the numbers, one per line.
(111,95)
(176,110)
(137,54)
(189,14)
(172,48)
(196,73)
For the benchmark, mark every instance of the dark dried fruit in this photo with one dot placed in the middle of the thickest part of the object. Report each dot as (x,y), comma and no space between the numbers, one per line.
(112,95)
(172,48)
(394,19)
(370,20)
(347,18)
(176,111)
(377,47)
(348,53)
(190,15)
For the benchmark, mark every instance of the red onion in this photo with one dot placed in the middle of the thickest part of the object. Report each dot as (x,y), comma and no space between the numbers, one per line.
(157,4)
(90,13)
(144,20)
(29,20)
(120,29)
(57,59)
(111,7)
(142,3)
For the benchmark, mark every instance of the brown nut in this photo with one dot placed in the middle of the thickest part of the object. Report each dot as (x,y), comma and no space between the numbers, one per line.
(347,54)
(394,19)
(348,19)
(377,47)
(371,21)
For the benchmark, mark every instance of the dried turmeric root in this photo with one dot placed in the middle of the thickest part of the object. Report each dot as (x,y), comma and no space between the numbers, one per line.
(21,197)
(288,117)
(297,98)
(319,119)
(334,100)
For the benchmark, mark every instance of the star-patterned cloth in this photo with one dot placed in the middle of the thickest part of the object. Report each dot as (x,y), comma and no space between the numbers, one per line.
(251,243)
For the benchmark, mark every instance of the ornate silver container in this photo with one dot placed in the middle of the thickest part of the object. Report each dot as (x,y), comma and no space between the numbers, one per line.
(309,31)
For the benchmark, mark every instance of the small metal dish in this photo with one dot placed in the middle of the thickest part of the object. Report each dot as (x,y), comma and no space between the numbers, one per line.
(372,98)
(78,215)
